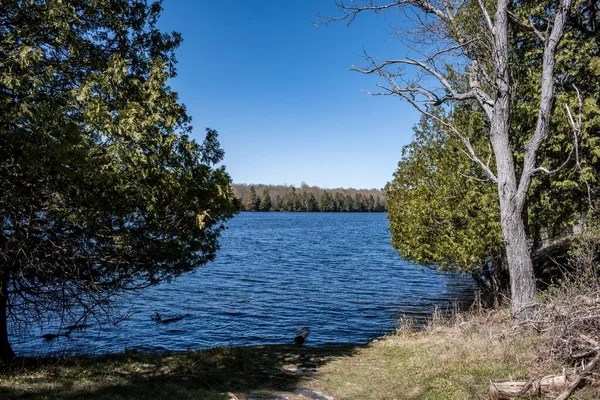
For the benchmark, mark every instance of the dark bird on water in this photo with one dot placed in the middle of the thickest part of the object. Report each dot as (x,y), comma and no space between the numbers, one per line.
(302,335)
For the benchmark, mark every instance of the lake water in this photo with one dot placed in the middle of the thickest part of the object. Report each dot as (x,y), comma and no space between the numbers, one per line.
(276,273)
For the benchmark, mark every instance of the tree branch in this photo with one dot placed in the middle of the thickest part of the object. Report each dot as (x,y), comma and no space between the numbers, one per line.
(351,9)
(577,130)
(470,151)
(488,20)
(547,96)
(475,93)
(528,27)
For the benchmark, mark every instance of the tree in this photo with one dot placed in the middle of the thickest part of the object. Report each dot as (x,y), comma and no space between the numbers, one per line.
(311,203)
(442,212)
(278,205)
(265,201)
(476,43)
(326,203)
(252,201)
(340,201)
(102,190)
(349,203)
(371,203)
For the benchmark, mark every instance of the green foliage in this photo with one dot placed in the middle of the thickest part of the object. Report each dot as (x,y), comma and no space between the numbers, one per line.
(252,202)
(310,199)
(265,201)
(557,200)
(102,190)
(442,211)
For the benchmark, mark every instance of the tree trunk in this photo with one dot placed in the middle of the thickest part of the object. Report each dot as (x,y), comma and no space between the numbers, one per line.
(6,351)
(520,267)
(522,278)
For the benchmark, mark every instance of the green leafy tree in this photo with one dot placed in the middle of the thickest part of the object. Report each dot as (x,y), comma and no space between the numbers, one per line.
(311,203)
(340,202)
(278,203)
(379,206)
(326,203)
(359,203)
(479,41)
(265,201)
(102,190)
(252,200)
(371,203)
(442,211)
(555,201)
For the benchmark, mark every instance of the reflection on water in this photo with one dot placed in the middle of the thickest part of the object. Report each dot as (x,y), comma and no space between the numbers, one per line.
(276,273)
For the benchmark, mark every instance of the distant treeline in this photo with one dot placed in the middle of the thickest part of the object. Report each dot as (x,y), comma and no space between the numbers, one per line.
(308,199)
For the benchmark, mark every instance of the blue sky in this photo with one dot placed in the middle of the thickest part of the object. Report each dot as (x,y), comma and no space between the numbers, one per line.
(278,90)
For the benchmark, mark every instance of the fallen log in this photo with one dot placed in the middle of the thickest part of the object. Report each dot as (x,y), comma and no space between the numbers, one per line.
(506,390)
(302,335)
(564,385)
(586,371)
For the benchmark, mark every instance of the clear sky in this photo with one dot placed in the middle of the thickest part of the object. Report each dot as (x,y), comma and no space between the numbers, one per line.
(278,90)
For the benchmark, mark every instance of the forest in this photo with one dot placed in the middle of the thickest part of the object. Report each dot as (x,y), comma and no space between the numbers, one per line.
(308,199)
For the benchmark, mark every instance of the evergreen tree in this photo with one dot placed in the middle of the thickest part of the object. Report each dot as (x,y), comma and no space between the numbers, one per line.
(326,203)
(359,203)
(102,189)
(349,203)
(371,203)
(311,203)
(252,200)
(340,202)
(278,203)
(265,201)
(379,206)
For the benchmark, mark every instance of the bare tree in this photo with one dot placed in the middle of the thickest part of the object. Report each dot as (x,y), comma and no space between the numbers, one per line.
(474,41)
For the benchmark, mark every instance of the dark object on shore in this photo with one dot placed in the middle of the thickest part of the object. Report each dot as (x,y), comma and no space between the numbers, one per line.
(302,335)
(158,318)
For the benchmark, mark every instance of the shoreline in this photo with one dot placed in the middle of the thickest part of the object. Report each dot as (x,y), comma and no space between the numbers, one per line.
(451,358)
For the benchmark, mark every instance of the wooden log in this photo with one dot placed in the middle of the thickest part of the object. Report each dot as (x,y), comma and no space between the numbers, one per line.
(586,371)
(159,319)
(505,390)
(563,384)
(302,335)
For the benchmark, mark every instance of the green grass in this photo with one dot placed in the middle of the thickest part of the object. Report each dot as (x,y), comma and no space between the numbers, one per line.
(445,361)
(206,374)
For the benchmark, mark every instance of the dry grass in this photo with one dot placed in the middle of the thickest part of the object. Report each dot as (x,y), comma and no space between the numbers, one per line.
(448,360)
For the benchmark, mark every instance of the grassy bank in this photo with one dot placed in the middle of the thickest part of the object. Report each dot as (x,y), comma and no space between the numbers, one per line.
(453,360)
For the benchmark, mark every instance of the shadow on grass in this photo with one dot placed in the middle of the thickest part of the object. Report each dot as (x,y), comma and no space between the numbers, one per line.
(204,374)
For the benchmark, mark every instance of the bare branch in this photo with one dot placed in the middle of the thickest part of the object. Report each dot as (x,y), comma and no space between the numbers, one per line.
(553,171)
(577,130)
(449,49)
(528,27)
(547,97)
(470,151)
(476,93)
(473,177)
(351,9)
(488,20)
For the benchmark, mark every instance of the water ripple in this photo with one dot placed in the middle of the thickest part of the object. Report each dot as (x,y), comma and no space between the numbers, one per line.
(275,273)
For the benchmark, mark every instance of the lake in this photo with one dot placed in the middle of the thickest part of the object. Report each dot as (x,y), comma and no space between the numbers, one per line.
(274,274)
